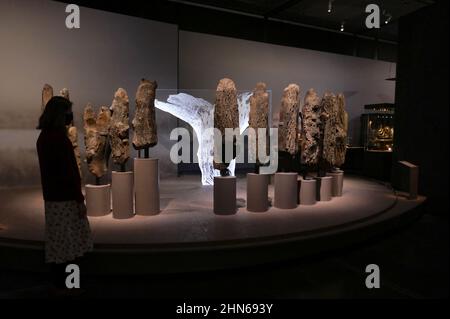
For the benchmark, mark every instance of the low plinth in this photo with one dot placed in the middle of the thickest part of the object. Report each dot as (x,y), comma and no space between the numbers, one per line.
(286,190)
(307,192)
(98,200)
(257,192)
(225,195)
(122,195)
(324,188)
(337,184)
(146,186)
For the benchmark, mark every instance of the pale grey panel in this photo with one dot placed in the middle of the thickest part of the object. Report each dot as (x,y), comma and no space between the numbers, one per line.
(205,59)
(108,51)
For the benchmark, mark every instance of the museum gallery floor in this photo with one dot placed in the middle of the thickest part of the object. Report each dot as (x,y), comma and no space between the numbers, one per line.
(187,220)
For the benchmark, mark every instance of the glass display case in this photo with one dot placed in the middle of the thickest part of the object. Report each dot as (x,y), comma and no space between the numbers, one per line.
(377,127)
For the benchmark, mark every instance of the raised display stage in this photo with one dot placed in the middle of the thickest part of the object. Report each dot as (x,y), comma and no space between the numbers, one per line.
(188,236)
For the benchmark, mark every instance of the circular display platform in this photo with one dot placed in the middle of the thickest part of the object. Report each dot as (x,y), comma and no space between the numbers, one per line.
(187,228)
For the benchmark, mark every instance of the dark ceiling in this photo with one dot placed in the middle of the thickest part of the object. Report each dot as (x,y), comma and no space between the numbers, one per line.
(297,23)
(315,12)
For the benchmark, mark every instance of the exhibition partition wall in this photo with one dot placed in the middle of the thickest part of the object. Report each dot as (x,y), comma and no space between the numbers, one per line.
(108,51)
(204,59)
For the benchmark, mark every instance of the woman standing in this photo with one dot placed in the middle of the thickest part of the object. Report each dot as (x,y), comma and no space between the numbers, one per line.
(67,231)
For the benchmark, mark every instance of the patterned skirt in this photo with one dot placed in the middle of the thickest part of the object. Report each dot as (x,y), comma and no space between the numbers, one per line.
(67,236)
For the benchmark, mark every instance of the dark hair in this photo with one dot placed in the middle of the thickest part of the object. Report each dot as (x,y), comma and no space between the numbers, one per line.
(54,115)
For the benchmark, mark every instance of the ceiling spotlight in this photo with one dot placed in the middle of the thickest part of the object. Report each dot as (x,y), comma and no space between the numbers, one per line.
(387,17)
(330,5)
(342,26)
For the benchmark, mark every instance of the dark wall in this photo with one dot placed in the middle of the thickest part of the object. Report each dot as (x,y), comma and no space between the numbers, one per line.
(421,119)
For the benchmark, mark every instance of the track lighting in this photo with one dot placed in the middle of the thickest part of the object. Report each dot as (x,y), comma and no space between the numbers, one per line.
(330,5)
(387,17)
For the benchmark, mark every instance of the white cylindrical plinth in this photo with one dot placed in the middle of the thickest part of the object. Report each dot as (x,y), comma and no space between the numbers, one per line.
(286,190)
(257,192)
(307,193)
(337,184)
(146,186)
(122,195)
(98,199)
(225,195)
(324,188)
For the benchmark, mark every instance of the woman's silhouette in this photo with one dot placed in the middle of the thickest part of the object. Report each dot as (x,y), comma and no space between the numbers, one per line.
(67,231)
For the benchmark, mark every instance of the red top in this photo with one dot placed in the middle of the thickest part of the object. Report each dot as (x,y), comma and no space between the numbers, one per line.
(60,177)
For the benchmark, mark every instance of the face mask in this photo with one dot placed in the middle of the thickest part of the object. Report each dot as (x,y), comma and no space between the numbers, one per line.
(69,118)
